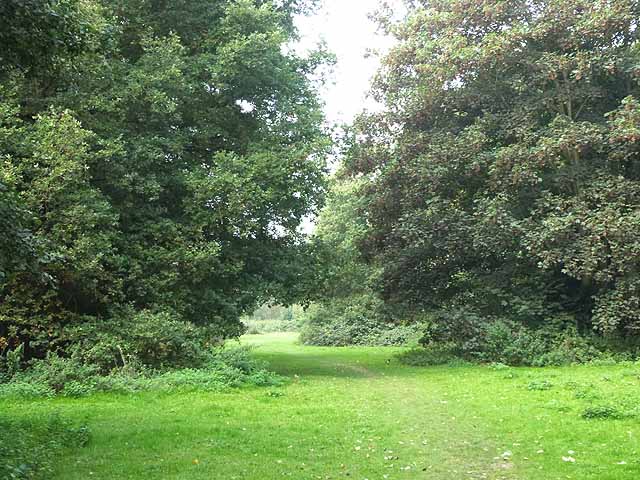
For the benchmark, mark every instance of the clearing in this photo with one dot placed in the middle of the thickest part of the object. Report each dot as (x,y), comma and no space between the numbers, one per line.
(357,413)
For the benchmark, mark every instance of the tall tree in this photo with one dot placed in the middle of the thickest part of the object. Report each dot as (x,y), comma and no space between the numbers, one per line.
(168,161)
(503,175)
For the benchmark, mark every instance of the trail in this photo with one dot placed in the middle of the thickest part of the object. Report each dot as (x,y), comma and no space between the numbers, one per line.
(418,420)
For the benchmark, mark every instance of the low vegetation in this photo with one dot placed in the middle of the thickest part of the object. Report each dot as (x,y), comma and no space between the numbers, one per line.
(219,370)
(358,413)
(32,446)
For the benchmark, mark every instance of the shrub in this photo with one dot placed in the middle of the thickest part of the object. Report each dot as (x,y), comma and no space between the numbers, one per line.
(356,320)
(55,373)
(26,389)
(492,339)
(238,357)
(158,340)
(223,368)
(154,339)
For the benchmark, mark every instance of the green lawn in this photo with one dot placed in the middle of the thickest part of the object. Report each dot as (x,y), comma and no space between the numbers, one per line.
(356,413)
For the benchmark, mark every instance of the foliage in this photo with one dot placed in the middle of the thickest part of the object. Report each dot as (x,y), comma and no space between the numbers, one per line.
(157,161)
(486,340)
(347,310)
(220,368)
(356,320)
(30,447)
(500,184)
(37,34)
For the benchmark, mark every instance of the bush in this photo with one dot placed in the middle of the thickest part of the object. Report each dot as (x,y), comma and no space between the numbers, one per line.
(488,340)
(55,373)
(29,447)
(158,340)
(238,357)
(356,320)
(223,368)
(26,389)
(154,339)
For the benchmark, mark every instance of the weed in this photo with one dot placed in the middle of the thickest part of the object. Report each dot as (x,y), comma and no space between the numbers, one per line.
(602,412)
(540,385)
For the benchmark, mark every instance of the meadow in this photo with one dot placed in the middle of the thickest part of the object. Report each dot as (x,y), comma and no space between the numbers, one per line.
(358,413)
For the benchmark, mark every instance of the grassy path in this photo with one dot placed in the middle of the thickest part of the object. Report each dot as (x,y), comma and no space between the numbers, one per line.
(356,413)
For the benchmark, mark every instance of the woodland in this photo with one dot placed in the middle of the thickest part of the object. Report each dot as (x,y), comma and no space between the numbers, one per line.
(159,160)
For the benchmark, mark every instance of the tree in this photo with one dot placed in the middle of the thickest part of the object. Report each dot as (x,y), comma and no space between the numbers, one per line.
(502,177)
(347,308)
(168,161)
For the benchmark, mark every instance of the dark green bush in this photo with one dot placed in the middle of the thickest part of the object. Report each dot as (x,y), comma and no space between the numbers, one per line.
(158,340)
(238,357)
(154,339)
(481,339)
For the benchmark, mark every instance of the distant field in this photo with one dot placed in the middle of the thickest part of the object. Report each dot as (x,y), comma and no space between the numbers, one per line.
(357,413)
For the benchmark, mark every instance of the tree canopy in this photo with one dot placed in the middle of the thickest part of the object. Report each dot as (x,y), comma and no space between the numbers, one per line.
(157,159)
(503,174)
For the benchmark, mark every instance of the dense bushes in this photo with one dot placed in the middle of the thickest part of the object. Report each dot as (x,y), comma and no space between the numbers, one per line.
(29,447)
(467,337)
(217,369)
(357,320)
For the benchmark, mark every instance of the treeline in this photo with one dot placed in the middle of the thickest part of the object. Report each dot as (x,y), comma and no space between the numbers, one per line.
(498,191)
(156,161)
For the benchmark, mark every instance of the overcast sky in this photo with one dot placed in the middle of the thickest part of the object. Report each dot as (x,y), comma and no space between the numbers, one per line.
(349,34)
(345,27)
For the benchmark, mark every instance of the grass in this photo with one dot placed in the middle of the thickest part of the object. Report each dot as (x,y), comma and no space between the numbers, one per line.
(357,413)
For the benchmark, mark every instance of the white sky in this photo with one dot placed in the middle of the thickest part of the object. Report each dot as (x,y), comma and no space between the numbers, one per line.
(345,27)
(349,33)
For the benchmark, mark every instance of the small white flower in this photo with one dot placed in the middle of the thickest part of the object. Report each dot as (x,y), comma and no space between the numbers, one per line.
(568,459)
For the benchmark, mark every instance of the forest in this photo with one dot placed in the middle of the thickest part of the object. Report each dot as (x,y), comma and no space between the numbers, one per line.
(160,164)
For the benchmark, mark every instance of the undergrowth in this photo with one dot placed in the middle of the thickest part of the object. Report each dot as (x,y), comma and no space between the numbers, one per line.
(57,376)
(29,447)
